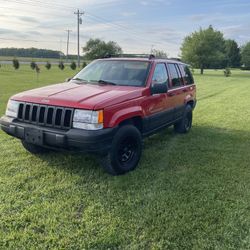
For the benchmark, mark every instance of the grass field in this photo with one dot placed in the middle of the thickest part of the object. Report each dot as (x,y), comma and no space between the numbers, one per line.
(189,192)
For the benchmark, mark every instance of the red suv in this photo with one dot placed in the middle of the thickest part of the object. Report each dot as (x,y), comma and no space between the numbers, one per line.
(107,109)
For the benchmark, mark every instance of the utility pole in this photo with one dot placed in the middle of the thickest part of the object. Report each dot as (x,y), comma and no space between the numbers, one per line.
(68,31)
(79,21)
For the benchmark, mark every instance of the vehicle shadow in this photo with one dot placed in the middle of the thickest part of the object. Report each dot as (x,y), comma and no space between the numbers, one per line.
(180,180)
(162,152)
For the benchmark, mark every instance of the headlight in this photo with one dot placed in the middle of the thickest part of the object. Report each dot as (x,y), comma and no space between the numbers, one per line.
(12,109)
(87,119)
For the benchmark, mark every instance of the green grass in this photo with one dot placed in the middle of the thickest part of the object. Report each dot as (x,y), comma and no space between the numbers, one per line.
(189,191)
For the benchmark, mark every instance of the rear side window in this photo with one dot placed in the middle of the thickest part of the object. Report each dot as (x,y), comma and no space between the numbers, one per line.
(175,74)
(186,74)
(160,74)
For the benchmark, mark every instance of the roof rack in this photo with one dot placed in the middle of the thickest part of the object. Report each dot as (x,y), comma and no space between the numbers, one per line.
(149,56)
(175,59)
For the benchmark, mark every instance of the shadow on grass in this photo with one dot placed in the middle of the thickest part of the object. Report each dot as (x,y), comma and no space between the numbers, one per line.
(163,152)
(216,74)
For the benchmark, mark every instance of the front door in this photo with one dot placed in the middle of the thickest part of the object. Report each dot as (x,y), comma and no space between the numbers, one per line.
(157,111)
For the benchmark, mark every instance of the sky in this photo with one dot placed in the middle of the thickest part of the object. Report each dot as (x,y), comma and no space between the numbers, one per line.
(136,25)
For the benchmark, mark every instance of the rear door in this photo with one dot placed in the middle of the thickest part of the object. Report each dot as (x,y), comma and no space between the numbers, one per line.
(188,81)
(177,90)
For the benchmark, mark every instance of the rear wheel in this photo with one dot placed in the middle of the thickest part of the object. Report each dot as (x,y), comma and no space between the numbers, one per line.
(185,124)
(34,149)
(125,151)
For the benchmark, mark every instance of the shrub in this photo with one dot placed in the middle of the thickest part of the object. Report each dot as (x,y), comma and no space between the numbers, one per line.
(16,64)
(73,65)
(227,72)
(244,68)
(37,69)
(33,65)
(48,65)
(84,64)
(61,66)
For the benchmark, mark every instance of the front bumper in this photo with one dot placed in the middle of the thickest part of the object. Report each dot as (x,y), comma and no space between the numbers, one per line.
(98,141)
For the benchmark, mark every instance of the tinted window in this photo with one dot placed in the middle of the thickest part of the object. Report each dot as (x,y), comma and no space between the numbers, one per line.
(186,74)
(160,75)
(174,71)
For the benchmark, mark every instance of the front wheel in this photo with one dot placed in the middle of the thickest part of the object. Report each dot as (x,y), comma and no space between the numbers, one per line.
(185,124)
(125,151)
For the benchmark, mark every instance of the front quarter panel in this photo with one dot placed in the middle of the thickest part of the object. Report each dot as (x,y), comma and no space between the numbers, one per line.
(114,116)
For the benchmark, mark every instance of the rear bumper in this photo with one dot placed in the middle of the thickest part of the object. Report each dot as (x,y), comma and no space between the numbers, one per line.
(98,141)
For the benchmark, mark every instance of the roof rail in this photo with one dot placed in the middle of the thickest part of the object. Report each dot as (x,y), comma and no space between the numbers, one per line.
(175,59)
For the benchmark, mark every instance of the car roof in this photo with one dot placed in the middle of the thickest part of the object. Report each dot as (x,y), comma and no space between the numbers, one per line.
(138,59)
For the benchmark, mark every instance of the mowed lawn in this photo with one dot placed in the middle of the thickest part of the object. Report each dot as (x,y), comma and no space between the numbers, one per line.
(189,191)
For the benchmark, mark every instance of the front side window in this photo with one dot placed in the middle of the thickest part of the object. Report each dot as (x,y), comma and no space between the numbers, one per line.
(160,74)
(174,71)
(116,72)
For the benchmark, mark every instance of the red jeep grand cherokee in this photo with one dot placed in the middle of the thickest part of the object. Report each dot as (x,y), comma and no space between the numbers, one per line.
(107,109)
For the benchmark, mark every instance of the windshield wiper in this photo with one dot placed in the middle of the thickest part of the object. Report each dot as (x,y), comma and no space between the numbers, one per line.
(106,82)
(79,79)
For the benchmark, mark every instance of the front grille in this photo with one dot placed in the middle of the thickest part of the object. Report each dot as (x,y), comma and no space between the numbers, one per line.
(43,115)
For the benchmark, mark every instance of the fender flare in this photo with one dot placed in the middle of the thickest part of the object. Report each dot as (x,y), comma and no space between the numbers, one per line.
(125,114)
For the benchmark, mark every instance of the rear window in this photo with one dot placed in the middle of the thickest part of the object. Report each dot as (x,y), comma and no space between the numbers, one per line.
(175,75)
(186,74)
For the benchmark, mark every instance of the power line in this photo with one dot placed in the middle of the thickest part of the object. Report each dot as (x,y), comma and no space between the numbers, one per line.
(91,16)
(30,40)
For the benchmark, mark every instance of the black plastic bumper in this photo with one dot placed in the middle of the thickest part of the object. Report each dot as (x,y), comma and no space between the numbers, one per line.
(98,141)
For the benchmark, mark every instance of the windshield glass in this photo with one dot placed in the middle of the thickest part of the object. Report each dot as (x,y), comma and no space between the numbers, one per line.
(115,72)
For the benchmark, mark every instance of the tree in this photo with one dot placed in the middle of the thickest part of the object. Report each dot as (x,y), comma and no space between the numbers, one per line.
(48,65)
(33,65)
(227,72)
(73,65)
(203,48)
(159,53)
(61,66)
(96,48)
(232,53)
(16,64)
(245,55)
(84,64)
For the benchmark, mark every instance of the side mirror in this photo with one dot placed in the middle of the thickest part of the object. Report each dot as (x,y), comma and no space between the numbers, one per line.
(68,79)
(159,89)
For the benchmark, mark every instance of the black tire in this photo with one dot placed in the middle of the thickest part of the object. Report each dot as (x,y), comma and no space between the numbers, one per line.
(125,151)
(185,124)
(34,149)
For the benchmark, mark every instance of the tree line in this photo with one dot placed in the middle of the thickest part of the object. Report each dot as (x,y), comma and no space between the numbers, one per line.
(203,49)
(31,52)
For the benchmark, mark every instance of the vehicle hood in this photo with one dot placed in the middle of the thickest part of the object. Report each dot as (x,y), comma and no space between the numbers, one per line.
(85,96)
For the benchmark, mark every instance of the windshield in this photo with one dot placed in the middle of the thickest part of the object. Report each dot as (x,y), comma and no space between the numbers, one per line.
(115,72)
